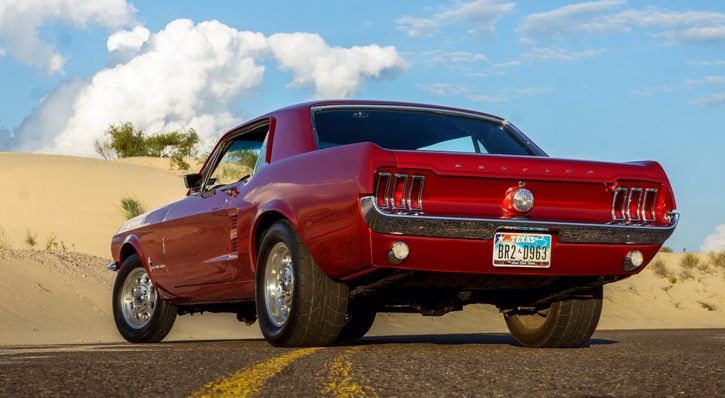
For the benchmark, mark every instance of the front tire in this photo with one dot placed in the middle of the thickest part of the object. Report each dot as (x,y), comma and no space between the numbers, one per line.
(141,316)
(564,324)
(297,304)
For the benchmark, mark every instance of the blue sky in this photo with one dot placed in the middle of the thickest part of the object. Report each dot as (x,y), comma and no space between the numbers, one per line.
(606,80)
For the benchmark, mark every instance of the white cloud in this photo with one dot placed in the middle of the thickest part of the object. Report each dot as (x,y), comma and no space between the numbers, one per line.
(416,27)
(487,99)
(189,75)
(332,72)
(716,100)
(124,45)
(575,18)
(558,54)
(707,63)
(714,242)
(653,90)
(600,18)
(480,15)
(444,89)
(20,22)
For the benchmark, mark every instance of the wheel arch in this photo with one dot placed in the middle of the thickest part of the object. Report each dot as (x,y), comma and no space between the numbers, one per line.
(132,246)
(265,219)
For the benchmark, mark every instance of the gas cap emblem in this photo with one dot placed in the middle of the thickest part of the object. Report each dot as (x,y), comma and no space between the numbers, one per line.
(523,200)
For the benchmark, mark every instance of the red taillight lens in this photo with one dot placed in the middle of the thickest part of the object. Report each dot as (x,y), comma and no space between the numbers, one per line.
(635,204)
(415,195)
(401,181)
(400,192)
(382,190)
(649,202)
(618,204)
(634,201)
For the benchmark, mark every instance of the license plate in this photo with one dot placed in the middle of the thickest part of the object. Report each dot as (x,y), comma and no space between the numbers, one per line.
(521,250)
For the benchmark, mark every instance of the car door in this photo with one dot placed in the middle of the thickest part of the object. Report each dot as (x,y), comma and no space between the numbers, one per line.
(196,239)
(200,234)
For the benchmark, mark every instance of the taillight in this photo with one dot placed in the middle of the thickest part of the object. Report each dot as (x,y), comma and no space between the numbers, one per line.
(634,204)
(400,192)
(401,181)
(382,190)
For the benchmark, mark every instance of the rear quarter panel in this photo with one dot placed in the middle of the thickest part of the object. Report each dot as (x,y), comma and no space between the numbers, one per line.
(319,193)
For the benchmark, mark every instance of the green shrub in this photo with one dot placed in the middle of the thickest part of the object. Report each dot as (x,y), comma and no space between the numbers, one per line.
(132,207)
(665,249)
(125,141)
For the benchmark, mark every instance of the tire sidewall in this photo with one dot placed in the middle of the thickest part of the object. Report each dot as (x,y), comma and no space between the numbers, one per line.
(533,337)
(129,333)
(279,232)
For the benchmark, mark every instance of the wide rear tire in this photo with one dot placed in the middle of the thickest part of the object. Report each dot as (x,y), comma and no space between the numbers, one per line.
(297,304)
(564,324)
(358,322)
(141,316)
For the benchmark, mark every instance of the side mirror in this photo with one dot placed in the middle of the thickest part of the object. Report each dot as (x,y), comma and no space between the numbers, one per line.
(193,181)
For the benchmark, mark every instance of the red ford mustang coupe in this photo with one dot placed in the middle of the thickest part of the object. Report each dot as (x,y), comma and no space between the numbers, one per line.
(315,217)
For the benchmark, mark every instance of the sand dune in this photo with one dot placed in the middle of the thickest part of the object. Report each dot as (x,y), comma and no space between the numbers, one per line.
(64,295)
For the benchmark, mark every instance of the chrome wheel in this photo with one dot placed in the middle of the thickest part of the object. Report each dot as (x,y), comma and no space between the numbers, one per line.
(279,284)
(139,299)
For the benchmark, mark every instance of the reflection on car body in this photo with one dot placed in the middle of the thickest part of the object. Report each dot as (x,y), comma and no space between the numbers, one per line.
(316,217)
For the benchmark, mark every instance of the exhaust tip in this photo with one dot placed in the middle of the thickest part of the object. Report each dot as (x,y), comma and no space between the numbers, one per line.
(633,260)
(398,253)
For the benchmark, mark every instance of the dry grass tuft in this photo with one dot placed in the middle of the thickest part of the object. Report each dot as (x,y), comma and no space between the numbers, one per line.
(689,260)
(132,207)
(707,306)
(661,270)
(717,259)
(31,238)
(5,242)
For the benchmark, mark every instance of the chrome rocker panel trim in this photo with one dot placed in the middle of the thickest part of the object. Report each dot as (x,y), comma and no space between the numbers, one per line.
(484,229)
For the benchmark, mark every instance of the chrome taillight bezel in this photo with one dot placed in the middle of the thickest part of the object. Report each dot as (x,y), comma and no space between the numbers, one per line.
(399,192)
(634,205)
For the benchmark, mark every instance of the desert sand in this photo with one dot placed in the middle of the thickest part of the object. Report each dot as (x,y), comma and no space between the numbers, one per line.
(72,206)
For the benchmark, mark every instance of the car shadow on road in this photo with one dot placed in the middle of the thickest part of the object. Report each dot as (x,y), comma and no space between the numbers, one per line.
(457,339)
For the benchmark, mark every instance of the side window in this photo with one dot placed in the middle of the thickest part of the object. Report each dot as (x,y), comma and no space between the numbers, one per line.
(238,157)
(262,158)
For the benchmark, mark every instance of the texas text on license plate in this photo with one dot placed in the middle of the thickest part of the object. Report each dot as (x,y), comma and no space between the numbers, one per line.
(521,250)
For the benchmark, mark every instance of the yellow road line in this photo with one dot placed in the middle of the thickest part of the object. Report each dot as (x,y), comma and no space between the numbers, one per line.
(341,380)
(249,381)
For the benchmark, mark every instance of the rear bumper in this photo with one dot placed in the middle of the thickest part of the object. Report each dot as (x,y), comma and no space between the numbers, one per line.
(484,229)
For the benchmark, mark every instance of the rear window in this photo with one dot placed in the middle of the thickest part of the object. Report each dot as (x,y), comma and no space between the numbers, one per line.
(415,130)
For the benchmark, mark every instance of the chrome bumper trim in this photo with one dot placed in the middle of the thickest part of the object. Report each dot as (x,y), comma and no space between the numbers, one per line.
(112,267)
(484,229)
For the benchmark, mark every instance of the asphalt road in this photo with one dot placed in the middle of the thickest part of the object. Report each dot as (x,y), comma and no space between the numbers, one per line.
(674,363)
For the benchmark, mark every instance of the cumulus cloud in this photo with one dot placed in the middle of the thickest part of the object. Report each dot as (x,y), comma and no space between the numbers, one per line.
(606,17)
(480,15)
(189,75)
(714,242)
(332,72)
(20,22)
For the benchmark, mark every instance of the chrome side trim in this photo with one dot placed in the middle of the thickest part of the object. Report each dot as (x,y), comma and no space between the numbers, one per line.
(112,267)
(484,229)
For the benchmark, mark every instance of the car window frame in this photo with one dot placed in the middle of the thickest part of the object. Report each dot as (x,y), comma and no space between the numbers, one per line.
(223,147)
